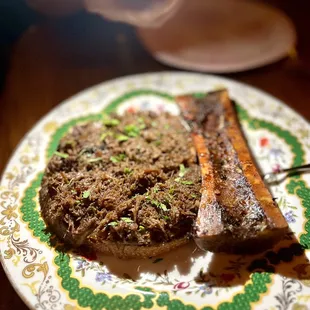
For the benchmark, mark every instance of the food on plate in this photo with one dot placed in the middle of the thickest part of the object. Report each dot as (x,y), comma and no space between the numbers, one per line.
(237,212)
(142,184)
(127,185)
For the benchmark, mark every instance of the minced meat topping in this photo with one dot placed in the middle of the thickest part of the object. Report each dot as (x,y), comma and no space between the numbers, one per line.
(132,179)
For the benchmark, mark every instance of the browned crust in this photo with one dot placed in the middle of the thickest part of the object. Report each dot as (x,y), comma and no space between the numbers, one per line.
(215,238)
(128,251)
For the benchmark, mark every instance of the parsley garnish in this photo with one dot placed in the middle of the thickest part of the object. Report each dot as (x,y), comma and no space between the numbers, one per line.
(132,130)
(141,123)
(110,121)
(62,155)
(122,138)
(181,174)
(104,135)
(182,171)
(187,182)
(117,158)
(127,219)
(127,170)
(141,228)
(163,207)
(113,223)
(159,205)
(86,194)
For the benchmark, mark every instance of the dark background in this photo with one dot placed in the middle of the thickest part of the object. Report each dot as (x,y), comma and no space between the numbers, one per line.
(39,69)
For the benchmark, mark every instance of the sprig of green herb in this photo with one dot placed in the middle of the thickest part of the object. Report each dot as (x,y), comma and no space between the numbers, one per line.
(62,155)
(110,122)
(122,138)
(127,219)
(104,135)
(132,130)
(141,228)
(127,170)
(186,182)
(117,158)
(86,194)
(159,205)
(114,223)
(182,171)
(141,123)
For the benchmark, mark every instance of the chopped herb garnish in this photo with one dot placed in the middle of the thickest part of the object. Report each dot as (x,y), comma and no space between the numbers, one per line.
(104,135)
(62,155)
(194,196)
(156,189)
(157,260)
(163,207)
(114,159)
(127,170)
(93,160)
(86,194)
(117,158)
(166,126)
(141,123)
(181,174)
(171,190)
(166,218)
(113,224)
(187,182)
(157,142)
(122,138)
(132,130)
(141,228)
(159,205)
(127,219)
(182,171)
(110,121)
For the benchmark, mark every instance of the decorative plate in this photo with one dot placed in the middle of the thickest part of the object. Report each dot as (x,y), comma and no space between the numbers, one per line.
(47,277)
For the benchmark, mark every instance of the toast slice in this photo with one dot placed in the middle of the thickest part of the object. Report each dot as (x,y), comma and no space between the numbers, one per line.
(237,213)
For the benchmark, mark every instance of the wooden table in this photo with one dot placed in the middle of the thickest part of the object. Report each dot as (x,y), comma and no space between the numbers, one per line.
(57,59)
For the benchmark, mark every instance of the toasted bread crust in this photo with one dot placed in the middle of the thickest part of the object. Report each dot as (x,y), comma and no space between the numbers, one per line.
(128,251)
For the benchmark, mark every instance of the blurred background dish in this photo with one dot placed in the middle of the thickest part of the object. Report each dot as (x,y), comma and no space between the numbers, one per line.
(221,36)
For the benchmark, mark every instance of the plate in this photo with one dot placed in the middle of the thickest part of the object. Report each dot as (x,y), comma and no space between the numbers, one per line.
(47,277)
(207,36)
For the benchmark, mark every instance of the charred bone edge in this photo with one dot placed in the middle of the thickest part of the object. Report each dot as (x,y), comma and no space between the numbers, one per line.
(209,232)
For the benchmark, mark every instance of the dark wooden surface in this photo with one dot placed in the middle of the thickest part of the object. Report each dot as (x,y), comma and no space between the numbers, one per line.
(57,59)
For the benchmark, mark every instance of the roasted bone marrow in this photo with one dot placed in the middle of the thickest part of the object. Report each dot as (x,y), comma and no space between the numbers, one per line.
(237,212)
